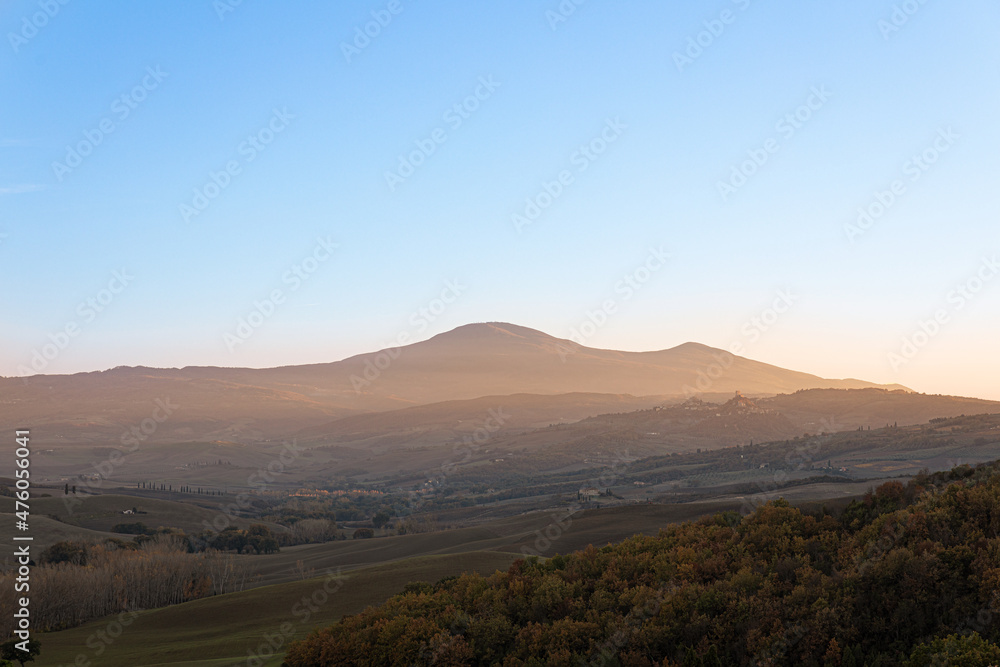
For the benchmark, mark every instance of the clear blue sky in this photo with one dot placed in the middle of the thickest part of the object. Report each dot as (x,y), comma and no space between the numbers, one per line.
(679,128)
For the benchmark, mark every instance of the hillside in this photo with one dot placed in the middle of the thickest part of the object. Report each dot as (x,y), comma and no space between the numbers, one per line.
(738,420)
(840,410)
(678,427)
(447,418)
(775,587)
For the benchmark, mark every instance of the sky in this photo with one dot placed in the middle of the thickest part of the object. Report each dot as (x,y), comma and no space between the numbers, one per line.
(258,184)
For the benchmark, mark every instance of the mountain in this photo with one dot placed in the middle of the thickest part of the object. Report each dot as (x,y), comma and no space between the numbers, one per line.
(471,361)
(498,358)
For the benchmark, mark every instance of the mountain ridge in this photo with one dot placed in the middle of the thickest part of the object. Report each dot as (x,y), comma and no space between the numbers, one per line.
(464,334)
(471,361)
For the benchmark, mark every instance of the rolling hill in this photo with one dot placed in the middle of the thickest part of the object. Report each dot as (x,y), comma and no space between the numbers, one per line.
(588,426)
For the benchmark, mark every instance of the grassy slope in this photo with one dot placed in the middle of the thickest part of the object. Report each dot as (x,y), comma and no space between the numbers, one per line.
(220,630)
(47,531)
(94,516)
(597,527)
(101,512)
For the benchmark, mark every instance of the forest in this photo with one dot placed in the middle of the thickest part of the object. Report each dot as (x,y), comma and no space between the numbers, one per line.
(75,582)
(907,575)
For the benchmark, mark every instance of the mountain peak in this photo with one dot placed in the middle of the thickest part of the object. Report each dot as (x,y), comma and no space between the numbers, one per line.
(691,346)
(493,329)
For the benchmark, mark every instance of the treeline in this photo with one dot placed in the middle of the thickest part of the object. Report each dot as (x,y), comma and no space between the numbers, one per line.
(76,582)
(309,531)
(163,486)
(338,508)
(256,539)
(909,575)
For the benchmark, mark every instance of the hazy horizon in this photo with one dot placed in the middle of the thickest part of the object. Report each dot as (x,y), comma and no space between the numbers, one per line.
(578,334)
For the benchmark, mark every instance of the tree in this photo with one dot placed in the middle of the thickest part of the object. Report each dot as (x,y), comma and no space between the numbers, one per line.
(65,552)
(259,529)
(380,519)
(10,651)
(137,528)
(959,650)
